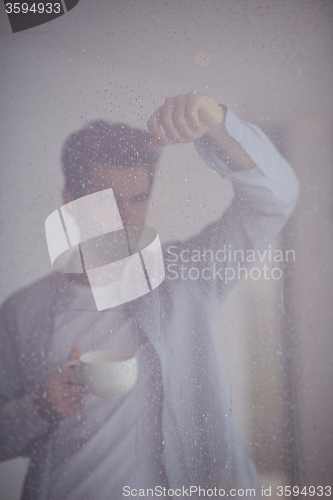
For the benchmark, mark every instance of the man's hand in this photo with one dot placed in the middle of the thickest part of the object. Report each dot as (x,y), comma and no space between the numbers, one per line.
(60,396)
(188,117)
(184,118)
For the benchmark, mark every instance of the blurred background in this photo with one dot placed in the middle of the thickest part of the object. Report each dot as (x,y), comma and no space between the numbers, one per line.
(271,63)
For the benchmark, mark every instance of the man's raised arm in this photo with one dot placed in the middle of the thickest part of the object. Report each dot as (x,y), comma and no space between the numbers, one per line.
(265,185)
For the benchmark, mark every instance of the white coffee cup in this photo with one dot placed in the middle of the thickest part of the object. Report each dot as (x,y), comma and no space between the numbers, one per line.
(108,373)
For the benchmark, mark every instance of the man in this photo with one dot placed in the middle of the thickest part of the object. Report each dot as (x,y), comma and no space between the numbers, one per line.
(174,429)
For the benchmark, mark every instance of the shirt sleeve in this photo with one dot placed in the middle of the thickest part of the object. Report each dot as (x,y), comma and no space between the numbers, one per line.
(264,198)
(20,423)
(272,185)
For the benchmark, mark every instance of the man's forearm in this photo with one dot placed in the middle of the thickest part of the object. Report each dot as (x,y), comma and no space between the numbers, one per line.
(228,149)
(271,187)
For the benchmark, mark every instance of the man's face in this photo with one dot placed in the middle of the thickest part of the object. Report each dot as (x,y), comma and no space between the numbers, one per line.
(131,187)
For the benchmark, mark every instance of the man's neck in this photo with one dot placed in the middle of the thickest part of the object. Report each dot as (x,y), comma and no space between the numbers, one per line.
(79,279)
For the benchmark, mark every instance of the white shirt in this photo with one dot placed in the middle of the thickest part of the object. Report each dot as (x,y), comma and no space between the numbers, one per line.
(111,442)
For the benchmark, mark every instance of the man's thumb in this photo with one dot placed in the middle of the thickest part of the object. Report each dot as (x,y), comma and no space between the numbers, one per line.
(75,353)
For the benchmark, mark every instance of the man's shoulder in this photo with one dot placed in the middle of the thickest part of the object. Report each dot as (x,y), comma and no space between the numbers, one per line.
(35,297)
(171,244)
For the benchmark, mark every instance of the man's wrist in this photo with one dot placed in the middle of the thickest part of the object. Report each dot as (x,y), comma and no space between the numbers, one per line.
(226,148)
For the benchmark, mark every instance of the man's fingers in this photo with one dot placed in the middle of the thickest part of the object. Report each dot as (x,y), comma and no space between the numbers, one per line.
(72,390)
(159,135)
(59,380)
(63,398)
(61,395)
(179,117)
(184,118)
(191,112)
(67,373)
(154,127)
(75,408)
(64,389)
(166,119)
(68,408)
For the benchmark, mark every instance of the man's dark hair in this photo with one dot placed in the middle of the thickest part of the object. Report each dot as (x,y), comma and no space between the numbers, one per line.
(116,144)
